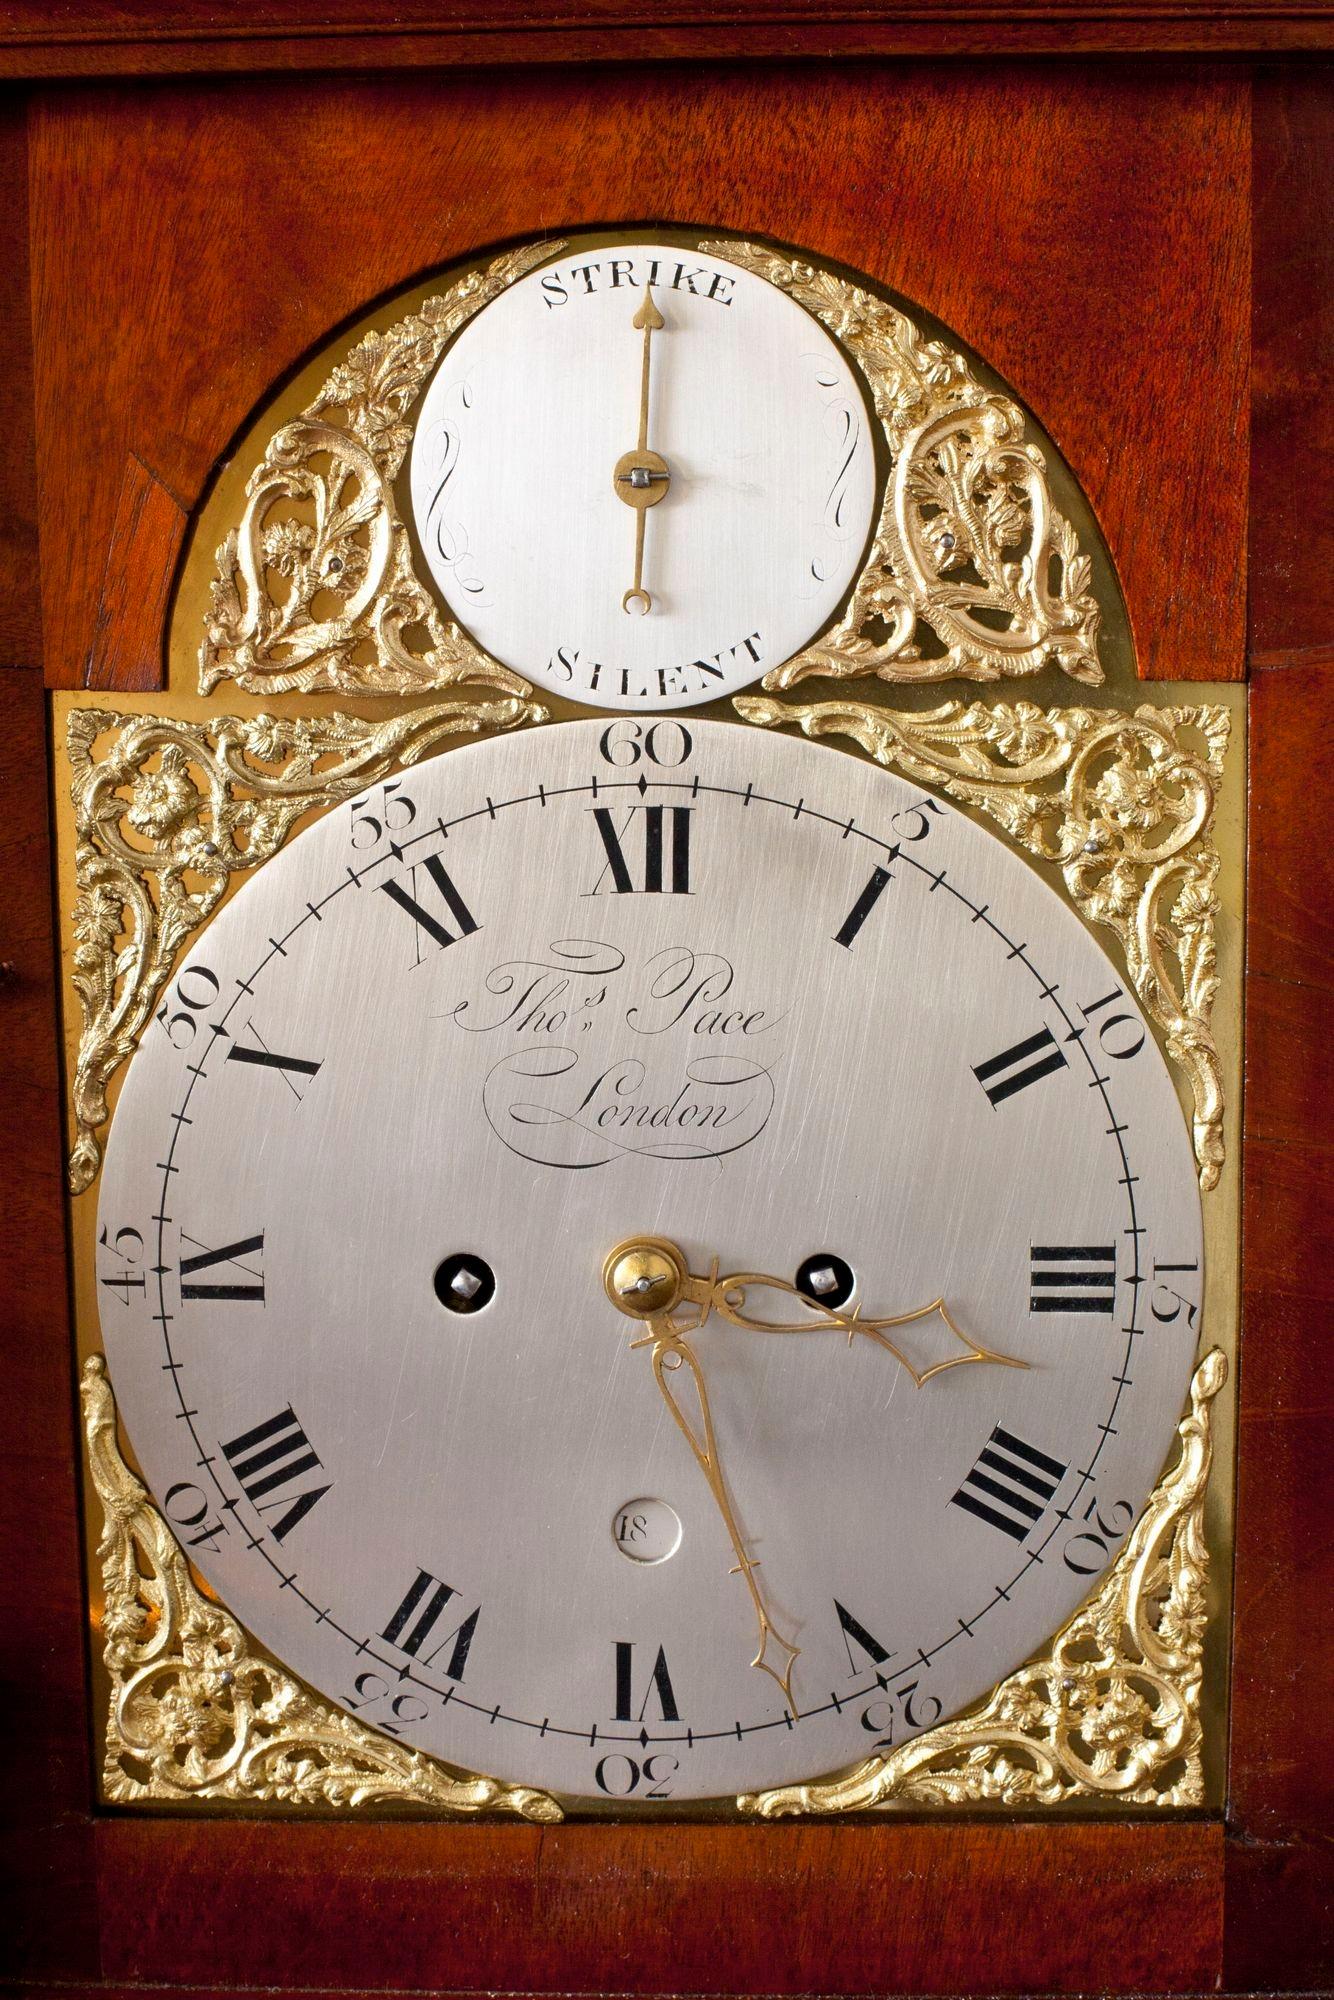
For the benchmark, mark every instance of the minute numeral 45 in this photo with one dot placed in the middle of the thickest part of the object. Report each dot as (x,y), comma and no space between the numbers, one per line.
(271,1458)
(1070,1278)
(1011,1484)
(238,1275)
(439,885)
(649,853)
(417,1617)
(1015,1069)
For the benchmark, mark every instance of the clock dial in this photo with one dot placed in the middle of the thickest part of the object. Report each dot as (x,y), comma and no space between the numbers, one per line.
(643,477)
(400,1177)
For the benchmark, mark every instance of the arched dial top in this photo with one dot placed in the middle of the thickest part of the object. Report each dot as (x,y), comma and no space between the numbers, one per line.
(643,476)
(402,1354)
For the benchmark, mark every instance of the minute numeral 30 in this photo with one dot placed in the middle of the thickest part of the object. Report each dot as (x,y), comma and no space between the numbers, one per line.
(271,1458)
(649,853)
(1070,1278)
(1011,1484)
(1015,1069)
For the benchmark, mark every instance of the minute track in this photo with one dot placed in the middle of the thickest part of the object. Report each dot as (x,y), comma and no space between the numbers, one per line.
(797,811)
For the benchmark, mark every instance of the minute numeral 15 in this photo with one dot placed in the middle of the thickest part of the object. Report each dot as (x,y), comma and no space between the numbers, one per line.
(1011,1484)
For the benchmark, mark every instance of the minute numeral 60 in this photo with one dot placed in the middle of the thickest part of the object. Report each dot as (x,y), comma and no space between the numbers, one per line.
(666,744)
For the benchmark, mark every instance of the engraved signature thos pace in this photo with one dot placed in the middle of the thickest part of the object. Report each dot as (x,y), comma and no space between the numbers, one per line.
(675,1066)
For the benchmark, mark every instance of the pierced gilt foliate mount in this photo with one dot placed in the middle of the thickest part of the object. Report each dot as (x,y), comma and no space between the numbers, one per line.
(316,587)
(1111,1713)
(1123,805)
(197,1714)
(167,811)
(972,574)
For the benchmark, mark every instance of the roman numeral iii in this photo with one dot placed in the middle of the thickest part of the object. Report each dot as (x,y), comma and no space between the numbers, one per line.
(650,853)
(417,1618)
(1072,1278)
(1011,1484)
(271,1458)
(1015,1069)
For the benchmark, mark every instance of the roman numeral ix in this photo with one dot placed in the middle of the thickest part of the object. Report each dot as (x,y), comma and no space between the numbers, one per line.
(270,1457)
(1070,1278)
(1010,1485)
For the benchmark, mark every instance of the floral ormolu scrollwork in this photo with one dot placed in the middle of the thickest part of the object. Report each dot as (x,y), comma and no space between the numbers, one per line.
(1111,1711)
(1122,804)
(197,1714)
(316,587)
(973,573)
(168,812)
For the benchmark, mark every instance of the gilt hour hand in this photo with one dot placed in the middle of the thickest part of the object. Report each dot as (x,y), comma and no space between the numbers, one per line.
(649,1280)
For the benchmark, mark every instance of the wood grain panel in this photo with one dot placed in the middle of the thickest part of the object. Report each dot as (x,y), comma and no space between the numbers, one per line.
(132,605)
(705,1910)
(1107,280)
(20,600)
(103,37)
(1281,1865)
(1292,442)
(51,1930)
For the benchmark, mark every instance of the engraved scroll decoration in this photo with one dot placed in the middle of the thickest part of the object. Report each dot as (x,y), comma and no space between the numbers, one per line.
(168,812)
(1111,1712)
(972,573)
(316,587)
(1122,804)
(198,1714)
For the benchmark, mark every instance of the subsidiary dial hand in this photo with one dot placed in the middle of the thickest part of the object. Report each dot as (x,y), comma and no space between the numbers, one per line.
(641,477)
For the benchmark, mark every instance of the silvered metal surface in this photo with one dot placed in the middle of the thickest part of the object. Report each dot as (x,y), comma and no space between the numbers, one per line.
(167,811)
(768,478)
(197,1713)
(494,1452)
(1123,804)
(1110,1712)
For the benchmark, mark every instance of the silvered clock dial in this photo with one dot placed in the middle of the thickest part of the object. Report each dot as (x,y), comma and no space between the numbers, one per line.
(671,1259)
(643,476)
